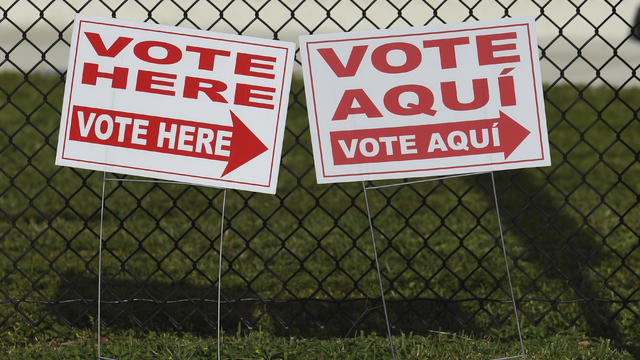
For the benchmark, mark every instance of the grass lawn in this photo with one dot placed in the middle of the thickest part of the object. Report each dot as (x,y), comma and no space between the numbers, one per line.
(263,345)
(298,275)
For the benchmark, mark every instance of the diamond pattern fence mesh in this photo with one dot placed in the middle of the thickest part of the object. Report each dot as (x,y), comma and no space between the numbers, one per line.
(301,261)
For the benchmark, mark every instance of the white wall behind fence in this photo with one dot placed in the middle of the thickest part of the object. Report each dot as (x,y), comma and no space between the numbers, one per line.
(573,47)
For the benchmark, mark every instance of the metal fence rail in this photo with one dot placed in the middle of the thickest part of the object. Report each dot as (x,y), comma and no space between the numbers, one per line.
(300,261)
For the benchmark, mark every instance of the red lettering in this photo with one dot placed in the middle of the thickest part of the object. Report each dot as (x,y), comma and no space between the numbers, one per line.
(207,56)
(447,50)
(90,75)
(246,63)
(379,59)
(353,63)
(422,106)
(147,80)
(245,93)
(172,56)
(346,106)
(151,133)
(507,88)
(450,95)
(113,50)
(213,88)
(487,49)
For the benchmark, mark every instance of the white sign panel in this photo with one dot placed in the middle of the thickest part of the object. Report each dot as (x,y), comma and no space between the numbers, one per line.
(175,103)
(435,100)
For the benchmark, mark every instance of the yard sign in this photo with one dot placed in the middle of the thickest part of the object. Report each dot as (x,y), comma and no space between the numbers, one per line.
(434,100)
(174,103)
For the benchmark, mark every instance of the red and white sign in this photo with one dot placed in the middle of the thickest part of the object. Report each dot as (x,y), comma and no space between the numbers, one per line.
(435,100)
(174,103)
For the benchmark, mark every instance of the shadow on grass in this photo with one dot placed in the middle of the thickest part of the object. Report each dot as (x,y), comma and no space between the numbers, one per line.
(563,249)
(162,306)
(558,245)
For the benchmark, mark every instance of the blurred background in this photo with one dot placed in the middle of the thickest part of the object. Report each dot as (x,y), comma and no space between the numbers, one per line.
(564,28)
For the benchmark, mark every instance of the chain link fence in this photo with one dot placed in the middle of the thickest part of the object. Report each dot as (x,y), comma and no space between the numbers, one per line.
(301,262)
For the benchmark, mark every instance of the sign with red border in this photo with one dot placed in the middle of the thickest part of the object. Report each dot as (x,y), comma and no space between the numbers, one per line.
(174,103)
(435,100)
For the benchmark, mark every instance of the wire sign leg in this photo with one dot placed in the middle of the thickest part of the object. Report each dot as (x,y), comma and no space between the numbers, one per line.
(506,262)
(99,316)
(224,201)
(504,252)
(375,255)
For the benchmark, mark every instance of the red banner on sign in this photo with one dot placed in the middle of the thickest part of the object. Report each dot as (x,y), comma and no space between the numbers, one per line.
(486,136)
(235,144)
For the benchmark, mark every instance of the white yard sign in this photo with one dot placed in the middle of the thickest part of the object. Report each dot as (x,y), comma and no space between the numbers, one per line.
(435,100)
(175,103)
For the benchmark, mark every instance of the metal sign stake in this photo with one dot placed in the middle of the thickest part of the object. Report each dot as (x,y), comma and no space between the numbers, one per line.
(504,252)
(99,315)
(506,263)
(224,202)
(375,255)
(100,357)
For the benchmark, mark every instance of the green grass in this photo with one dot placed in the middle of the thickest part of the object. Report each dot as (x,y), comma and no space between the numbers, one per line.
(572,228)
(260,345)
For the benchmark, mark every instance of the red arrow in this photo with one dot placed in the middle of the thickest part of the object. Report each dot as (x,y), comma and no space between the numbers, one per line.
(512,134)
(244,145)
(485,136)
(234,144)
